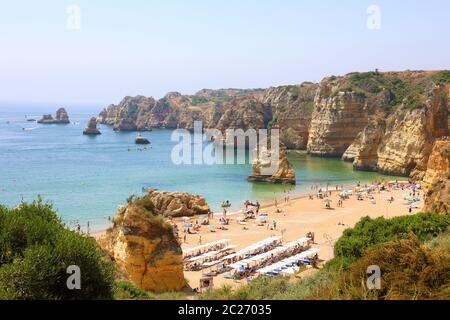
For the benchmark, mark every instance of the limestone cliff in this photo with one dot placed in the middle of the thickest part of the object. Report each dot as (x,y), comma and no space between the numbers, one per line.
(437,179)
(411,133)
(287,108)
(385,122)
(144,248)
(338,118)
(291,108)
(364,150)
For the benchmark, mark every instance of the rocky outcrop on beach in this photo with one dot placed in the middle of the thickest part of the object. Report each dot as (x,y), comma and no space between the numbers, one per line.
(61,117)
(177,204)
(144,248)
(91,128)
(437,179)
(276,171)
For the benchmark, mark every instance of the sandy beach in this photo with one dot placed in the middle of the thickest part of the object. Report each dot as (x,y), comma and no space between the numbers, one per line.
(298,217)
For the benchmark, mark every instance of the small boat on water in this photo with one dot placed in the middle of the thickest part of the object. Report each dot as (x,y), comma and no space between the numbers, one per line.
(141,140)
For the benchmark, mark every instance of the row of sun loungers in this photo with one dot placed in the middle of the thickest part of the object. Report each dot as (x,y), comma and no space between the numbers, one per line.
(205,248)
(211,254)
(272,241)
(288,266)
(272,253)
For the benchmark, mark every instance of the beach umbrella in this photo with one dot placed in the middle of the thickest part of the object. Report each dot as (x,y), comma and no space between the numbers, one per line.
(188,225)
(211,227)
(203,217)
(327,201)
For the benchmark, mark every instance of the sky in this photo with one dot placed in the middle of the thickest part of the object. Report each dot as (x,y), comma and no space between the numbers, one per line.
(151,47)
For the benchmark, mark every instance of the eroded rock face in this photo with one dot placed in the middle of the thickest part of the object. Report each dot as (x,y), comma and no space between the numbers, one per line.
(410,134)
(178,204)
(284,173)
(244,113)
(91,128)
(145,250)
(291,108)
(132,114)
(288,108)
(337,120)
(437,179)
(62,116)
(364,150)
(386,122)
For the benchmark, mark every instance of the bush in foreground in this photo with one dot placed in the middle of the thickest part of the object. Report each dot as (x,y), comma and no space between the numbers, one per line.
(35,252)
(370,232)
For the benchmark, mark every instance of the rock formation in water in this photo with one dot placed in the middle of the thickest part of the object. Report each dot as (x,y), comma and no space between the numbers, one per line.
(437,179)
(144,248)
(91,128)
(266,169)
(177,204)
(61,118)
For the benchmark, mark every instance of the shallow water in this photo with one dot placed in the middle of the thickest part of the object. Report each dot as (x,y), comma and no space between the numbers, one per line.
(86,178)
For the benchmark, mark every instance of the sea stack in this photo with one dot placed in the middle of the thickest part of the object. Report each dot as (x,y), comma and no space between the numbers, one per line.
(61,117)
(92,127)
(284,173)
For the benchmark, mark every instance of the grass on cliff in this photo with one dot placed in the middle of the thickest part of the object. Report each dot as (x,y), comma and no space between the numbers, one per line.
(145,203)
(442,77)
(413,253)
(35,251)
(408,89)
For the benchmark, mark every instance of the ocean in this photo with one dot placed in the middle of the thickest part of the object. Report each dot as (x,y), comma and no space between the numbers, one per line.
(86,178)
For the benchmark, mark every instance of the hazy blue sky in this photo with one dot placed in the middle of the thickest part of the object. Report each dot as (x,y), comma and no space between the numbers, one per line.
(151,47)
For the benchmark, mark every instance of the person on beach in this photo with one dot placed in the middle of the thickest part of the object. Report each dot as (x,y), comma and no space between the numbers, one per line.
(200,240)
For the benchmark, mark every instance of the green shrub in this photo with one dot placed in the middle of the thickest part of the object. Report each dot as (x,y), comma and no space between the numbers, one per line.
(124,290)
(369,232)
(35,252)
(409,271)
(442,77)
(146,203)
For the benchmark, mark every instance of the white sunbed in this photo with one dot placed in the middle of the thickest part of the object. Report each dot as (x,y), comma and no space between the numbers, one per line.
(205,246)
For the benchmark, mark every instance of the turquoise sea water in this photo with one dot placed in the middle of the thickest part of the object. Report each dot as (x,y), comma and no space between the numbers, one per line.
(86,178)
